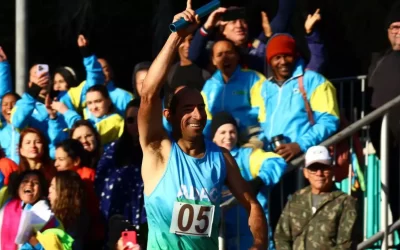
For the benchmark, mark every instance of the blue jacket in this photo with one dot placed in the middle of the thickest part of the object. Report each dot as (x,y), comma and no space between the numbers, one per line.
(240,96)
(110,127)
(75,98)
(8,134)
(29,112)
(252,163)
(286,113)
(256,52)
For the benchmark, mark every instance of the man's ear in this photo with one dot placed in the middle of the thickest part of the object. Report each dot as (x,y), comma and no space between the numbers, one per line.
(167,114)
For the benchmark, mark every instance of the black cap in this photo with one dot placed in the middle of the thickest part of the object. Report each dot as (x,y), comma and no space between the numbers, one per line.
(220,119)
(394,14)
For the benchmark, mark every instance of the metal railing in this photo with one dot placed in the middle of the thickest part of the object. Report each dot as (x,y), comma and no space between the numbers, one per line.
(342,135)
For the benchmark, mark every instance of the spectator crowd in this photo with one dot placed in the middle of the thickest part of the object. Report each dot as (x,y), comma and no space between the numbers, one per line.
(84,162)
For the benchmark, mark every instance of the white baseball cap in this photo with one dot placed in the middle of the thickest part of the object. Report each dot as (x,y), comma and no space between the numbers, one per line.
(318,154)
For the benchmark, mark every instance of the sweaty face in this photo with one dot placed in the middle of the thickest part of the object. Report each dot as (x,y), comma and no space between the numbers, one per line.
(190,113)
(140,75)
(107,70)
(226,136)
(320,176)
(31,146)
(86,137)
(7,104)
(394,35)
(29,189)
(52,192)
(64,162)
(225,58)
(282,66)
(184,47)
(59,83)
(236,31)
(97,104)
(131,121)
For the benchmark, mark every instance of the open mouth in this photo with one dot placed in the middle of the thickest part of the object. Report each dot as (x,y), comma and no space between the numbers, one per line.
(28,191)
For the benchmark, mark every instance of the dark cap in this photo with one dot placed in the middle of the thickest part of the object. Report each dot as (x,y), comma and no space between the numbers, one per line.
(394,14)
(220,119)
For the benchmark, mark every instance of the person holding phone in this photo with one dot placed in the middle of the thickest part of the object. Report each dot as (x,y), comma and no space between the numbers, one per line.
(33,109)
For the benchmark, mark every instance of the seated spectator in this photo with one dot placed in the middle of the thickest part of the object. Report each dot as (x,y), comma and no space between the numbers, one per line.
(286,107)
(34,153)
(67,196)
(33,110)
(87,135)
(253,51)
(98,71)
(234,90)
(64,78)
(236,30)
(28,189)
(118,181)
(261,169)
(7,167)
(139,73)
(70,155)
(8,134)
(185,72)
(100,111)
(383,80)
(319,216)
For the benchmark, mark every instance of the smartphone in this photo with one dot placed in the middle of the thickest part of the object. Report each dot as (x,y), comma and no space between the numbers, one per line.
(234,14)
(42,68)
(129,237)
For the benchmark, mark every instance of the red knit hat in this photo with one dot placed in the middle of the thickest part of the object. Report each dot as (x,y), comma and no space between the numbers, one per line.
(280,44)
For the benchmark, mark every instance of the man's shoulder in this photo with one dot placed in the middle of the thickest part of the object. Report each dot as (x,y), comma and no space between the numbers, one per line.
(300,194)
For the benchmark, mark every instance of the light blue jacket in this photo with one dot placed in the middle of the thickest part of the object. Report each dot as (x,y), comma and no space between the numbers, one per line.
(8,134)
(240,96)
(75,98)
(252,163)
(286,111)
(28,112)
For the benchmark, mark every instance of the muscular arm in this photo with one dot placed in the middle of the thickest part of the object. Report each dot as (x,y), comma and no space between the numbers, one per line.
(241,190)
(150,124)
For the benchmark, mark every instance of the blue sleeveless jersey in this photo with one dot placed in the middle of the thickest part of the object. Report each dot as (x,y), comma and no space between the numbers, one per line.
(187,180)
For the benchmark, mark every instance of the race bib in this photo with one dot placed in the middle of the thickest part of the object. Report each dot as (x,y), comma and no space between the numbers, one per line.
(192,219)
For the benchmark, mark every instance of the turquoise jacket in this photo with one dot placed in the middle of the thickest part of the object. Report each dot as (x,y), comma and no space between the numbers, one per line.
(286,111)
(75,98)
(240,96)
(28,112)
(269,167)
(8,134)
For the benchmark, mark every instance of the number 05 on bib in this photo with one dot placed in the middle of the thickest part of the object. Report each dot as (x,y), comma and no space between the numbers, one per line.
(192,220)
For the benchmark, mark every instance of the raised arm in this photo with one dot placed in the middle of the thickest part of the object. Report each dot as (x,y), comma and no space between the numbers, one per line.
(241,190)
(150,124)
(5,75)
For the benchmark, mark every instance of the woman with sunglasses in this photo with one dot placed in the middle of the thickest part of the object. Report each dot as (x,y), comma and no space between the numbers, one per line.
(118,180)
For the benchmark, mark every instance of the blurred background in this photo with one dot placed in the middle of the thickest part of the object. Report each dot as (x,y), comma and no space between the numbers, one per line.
(126,32)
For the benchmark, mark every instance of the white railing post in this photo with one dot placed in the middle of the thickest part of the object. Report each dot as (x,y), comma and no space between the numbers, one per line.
(21,51)
(384,179)
(221,236)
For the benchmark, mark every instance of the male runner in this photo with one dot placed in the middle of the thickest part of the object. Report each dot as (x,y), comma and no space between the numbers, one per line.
(183,175)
